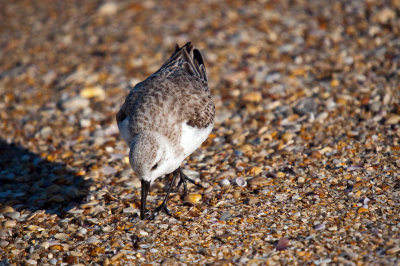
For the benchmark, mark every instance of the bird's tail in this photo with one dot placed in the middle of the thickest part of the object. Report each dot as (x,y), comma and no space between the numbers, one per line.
(189,59)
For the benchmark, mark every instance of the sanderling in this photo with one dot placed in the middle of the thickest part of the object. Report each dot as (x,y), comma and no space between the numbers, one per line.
(165,118)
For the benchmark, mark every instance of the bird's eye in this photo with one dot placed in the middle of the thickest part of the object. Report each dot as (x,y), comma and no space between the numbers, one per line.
(154,167)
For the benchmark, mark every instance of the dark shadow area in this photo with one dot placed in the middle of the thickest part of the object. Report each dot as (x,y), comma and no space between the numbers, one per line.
(28,181)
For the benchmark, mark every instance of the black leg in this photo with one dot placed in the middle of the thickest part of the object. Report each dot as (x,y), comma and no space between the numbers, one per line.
(163,205)
(145,191)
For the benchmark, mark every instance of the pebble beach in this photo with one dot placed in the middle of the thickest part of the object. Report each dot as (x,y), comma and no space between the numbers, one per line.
(301,168)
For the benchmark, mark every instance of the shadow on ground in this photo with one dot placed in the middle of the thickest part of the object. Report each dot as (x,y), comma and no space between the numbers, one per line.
(28,181)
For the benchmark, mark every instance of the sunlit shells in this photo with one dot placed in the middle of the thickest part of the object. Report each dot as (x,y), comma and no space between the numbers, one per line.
(259,181)
(9,224)
(108,8)
(93,92)
(307,114)
(280,174)
(287,136)
(393,119)
(193,198)
(254,96)
(75,103)
(61,236)
(256,170)
(236,194)
(57,247)
(393,250)
(6,209)
(92,240)
(13,215)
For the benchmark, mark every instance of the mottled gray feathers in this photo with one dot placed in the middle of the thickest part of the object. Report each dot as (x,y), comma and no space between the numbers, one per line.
(176,93)
(188,59)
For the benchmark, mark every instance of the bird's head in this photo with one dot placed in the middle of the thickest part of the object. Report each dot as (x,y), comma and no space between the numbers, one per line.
(148,157)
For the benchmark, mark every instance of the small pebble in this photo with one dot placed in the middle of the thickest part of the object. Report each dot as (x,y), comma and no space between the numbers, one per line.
(282,244)
(85,123)
(253,96)
(236,194)
(57,247)
(305,106)
(31,262)
(192,198)
(393,250)
(259,181)
(13,215)
(45,245)
(75,103)
(93,92)
(108,8)
(280,174)
(61,236)
(241,182)
(9,224)
(280,197)
(97,210)
(287,136)
(225,216)
(108,170)
(46,132)
(70,259)
(92,240)
(225,182)
(256,170)
(393,120)
(319,227)
(253,200)
(6,209)
(163,226)
(130,210)
(107,229)
(143,233)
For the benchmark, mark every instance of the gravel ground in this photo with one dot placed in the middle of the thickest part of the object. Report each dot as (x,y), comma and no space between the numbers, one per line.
(302,166)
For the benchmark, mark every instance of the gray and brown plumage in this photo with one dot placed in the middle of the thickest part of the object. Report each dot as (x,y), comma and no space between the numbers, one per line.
(166,117)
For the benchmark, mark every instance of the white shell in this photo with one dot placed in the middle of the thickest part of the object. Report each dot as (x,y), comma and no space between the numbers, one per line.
(225,182)
(241,182)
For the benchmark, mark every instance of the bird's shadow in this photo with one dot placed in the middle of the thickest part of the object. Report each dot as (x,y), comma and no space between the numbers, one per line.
(28,181)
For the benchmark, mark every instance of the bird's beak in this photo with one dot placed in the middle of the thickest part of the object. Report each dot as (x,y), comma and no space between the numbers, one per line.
(145,191)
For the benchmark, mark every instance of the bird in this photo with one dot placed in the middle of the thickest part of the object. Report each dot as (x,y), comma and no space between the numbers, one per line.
(165,118)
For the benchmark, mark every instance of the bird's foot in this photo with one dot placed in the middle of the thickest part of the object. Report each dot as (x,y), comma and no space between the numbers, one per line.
(162,207)
(183,180)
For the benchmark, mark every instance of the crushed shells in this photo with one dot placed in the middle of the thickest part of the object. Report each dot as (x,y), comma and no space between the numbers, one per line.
(302,167)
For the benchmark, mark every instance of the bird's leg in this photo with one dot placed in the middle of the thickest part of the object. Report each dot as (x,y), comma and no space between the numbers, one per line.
(163,205)
(145,191)
(182,180)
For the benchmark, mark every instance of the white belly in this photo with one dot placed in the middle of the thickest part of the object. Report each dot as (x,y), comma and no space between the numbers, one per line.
(193,137)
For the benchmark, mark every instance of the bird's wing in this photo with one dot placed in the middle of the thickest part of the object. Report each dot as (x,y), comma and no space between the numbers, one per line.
(177,92)
(129,103)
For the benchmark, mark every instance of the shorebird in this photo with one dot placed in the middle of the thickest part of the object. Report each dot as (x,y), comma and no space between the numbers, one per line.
(165,118)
